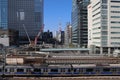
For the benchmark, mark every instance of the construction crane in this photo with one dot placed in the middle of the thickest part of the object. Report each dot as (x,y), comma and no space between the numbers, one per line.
(36,38)
(33,43)
(27,34)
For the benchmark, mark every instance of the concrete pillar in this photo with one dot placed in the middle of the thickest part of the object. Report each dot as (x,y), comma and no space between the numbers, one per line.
(101,50)
(109,51)
(93,51)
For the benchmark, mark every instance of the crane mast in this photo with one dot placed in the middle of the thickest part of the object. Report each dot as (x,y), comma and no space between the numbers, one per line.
(36,38)
(27,34)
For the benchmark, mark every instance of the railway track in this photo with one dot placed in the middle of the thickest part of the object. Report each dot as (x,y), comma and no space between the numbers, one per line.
(69,60)
(82,60)
(68,78)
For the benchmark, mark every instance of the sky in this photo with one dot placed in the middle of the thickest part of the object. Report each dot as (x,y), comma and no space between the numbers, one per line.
(56,12)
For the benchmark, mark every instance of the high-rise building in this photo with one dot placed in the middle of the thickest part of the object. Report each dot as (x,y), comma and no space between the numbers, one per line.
(3,14)
(24,16)
(60,37)
(79,23)
(104,25)
(68,34)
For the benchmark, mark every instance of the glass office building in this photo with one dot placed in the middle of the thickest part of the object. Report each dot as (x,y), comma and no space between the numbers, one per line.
(79,23)
(3,14)
(23,16)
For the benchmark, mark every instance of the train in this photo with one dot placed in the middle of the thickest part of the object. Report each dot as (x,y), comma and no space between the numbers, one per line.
(60,70)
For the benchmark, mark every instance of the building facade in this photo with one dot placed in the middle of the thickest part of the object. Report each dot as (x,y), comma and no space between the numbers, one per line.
(105,28)
(3,14)
(47,37)
(4,39)
(24,16)
(79,23)
(60,37)
(68,34)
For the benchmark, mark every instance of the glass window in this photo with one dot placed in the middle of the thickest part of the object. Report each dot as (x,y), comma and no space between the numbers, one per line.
(54,70)
(104,37)
(89,70)
(104,33)
(37,70)
(115,32)
(104,1)
(104,11)
(104,6)
(106,69)
(22,16)
(20,70)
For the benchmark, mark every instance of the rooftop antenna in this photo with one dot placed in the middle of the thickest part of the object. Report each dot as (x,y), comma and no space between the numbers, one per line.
(59,26)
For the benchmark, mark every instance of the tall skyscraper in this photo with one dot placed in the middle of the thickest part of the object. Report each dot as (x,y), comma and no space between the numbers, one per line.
(3,14)
(24,16)
(104,25)
(79,23)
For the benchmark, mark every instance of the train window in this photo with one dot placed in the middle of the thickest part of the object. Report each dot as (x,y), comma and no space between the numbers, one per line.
(81,70)
(45,70)
(20,70)
(54,70)
(11,69)
(28,70)
(118,69)
(69,70)
(89,70)
(76,70)
(0,70)
(113,69)
(106,69)
(5,70)
(37,70)
(97,70)
(62,70)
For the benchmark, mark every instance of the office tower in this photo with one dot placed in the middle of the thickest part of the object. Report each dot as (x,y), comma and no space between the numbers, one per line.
(60,37)
(24,16)
(3,14)
(47,37)
(104,19)
(79,23)
(68,34)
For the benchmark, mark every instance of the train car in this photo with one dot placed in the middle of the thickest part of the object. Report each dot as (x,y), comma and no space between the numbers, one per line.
(14,70)
(61,70)
(84,69)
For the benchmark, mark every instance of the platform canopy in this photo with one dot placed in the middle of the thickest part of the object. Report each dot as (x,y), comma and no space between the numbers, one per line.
(65,49)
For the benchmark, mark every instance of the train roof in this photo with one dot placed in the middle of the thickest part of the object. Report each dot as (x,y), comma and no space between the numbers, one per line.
(20,66)
(84,65)
(114,65)
(59,66)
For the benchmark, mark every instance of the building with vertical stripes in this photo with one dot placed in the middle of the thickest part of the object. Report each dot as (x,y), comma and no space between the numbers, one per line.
(104,25)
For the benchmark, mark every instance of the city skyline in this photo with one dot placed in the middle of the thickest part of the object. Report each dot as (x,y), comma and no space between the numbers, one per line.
(53,16)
